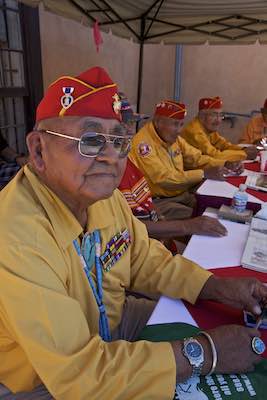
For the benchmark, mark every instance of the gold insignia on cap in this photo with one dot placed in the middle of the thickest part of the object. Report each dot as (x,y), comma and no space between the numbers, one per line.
(116,103)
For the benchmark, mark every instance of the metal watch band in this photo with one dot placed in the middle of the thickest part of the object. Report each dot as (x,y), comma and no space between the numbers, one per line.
(197,363)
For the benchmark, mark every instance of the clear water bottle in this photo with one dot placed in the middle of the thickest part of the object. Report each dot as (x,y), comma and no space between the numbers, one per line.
(240,199)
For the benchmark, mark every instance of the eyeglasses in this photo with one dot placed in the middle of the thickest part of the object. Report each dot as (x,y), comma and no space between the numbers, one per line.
(214,114)
(90,144)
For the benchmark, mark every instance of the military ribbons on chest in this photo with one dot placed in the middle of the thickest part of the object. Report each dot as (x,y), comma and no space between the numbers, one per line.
(115,248)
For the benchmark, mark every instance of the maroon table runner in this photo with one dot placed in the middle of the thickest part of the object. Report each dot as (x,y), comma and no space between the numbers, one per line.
(204,201)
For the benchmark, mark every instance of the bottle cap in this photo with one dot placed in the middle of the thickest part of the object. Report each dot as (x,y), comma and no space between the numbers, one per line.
(242,187)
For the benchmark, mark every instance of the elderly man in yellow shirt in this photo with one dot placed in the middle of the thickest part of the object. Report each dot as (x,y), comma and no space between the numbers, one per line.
(171,166)
(70,247)
(256,129)
(202,133)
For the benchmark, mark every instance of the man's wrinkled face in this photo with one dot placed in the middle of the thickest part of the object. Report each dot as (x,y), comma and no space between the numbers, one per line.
(211,119)
(73,175)
(168,128)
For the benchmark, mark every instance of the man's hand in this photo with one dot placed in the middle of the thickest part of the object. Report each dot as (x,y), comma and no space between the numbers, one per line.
(233,345)
(246,293)
(215,173)
(205,225)
(234,351)
(251,152)
(234,167)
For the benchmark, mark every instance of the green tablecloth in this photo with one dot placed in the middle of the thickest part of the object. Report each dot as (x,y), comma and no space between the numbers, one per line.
(252,385)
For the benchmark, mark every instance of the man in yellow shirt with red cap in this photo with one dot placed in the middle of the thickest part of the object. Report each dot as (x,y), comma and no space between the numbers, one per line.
(202,133)
(256,129)
(70,248)
(171,166)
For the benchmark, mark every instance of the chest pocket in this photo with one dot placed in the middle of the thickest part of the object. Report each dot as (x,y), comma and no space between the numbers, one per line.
(176,156)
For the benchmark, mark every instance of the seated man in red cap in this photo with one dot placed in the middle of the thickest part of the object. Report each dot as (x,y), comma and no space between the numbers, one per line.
(136,191)
(202,133)
(256,129)
(70,247)
(171,166)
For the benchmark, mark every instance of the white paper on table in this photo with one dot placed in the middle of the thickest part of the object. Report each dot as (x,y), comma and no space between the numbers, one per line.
(247,172)
(169,310)
(219,252)
(222,189)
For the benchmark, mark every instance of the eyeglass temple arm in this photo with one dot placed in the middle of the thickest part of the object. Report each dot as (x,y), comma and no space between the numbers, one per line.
(62,135)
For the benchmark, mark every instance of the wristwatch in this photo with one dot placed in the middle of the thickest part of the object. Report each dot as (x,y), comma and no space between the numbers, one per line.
(194,352)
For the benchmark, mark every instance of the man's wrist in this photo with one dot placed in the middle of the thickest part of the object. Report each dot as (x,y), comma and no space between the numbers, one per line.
(183,368)
(209,290)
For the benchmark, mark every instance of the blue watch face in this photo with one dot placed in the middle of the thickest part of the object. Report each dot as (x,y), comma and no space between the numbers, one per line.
(193,349)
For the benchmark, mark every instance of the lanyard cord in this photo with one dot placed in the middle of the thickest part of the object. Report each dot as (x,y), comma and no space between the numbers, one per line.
(97,291)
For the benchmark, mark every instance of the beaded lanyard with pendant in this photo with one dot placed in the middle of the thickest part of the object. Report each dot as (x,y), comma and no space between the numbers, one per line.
(97,290)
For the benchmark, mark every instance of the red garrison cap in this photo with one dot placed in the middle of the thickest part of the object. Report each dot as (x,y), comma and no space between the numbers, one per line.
(265,104)
(208,103)
(170,109)
(92,93)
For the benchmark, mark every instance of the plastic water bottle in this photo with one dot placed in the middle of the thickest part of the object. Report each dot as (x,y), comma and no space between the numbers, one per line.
(240,199)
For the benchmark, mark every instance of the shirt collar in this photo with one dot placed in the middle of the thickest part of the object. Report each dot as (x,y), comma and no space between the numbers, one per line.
(67,228)
(155,136)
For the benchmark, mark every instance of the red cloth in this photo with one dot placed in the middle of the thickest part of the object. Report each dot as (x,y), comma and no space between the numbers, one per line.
(208,103)
(204,201)
(92,93)
(136,191)
(209,314)
(170,109)
(265,104)
(97,35)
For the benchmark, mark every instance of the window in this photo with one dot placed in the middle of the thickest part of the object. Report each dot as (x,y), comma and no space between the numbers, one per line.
(19,36)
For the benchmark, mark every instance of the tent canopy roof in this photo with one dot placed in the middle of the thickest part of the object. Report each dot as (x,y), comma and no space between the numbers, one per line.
(170,21)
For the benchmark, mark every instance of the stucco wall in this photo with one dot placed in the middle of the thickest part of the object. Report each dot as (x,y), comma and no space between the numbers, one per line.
(236,73)
(68,48)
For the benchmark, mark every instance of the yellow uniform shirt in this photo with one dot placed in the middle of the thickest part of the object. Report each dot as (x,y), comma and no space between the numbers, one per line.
(211,144)
(255,130)
(48,314)
(169,170)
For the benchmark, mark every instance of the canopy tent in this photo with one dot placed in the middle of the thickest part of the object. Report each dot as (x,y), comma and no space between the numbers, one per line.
(169,21)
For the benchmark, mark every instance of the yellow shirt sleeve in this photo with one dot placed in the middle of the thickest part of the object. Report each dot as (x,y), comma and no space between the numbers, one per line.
(253,131)
(163,175)
(52,331)
(173,276)
(193,158)
(213,145)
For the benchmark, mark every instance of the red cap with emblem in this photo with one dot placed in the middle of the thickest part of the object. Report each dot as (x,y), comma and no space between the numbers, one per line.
(170,109)
(265,105)
(208,103)
(92,93)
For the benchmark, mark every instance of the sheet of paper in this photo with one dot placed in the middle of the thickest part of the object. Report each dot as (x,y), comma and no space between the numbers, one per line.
(169,310)
(218,252)
(222,189)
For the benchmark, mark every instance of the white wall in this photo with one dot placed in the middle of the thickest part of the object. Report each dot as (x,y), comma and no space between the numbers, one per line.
(68,48)
(236,73)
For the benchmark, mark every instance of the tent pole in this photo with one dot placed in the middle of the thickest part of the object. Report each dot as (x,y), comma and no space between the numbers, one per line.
(141,64)
(140,75)
(178,71)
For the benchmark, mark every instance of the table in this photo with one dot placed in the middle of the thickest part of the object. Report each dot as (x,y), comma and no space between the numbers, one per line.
(208,314)
(215,193)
